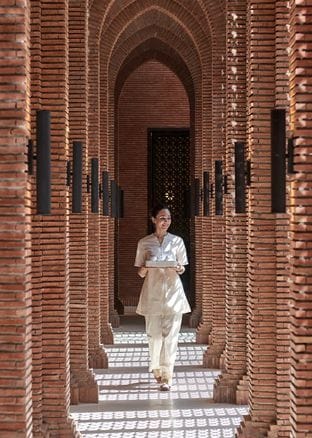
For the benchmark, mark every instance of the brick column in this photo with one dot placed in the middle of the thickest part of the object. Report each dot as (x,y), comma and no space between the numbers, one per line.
(97,355)
(39,428)
(282,427)
(236,224)
(15,279)
(112,160)
(300,222)
(261,300)
(204,295)
(109,316)
(217,334)
(83,385)
(54,237)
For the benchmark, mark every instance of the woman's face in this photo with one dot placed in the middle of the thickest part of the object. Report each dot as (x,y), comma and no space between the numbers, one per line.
(162,220)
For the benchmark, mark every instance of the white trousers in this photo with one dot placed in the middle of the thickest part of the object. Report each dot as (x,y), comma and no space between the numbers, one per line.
(162,334)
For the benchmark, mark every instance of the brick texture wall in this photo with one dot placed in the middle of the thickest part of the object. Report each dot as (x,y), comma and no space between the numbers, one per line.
(15,256)
(300,223)
(236,223)
(83,385)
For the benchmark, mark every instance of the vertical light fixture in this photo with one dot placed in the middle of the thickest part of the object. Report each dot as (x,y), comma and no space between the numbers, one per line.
(94,185)
(105,192)
(77,178)
(278,160)
(218,188)
(240,181)
(43,149)
(206,192)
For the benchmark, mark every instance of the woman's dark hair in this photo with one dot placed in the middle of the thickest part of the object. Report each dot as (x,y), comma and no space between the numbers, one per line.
(157,208)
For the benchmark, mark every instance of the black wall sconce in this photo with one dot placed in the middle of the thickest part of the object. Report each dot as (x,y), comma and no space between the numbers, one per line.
(225,184)
(105,192)
(290,155)
(196,196)
(278,163)
(242,177)
(188,202)
(77,177)
(193,198)
(114,199)
(218,188)
(120,203)
(94,185)
(43,157)
(117,200)
(206,193)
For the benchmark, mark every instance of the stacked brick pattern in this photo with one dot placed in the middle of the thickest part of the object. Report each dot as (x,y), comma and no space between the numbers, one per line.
(236,224)
(83,386)
(300,223)
(15,280)
(54,233)
(281,429)
(261,322)
(58,275)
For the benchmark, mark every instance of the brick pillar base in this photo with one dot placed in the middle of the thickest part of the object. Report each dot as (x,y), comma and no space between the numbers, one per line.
(195,318)
(41,430)
(202,333)
(222,361)
(114,318)
(83,388)
(224,389)
(248,429)
(107,336)
(212,356)
(242,392)
(98,358)
(65,429)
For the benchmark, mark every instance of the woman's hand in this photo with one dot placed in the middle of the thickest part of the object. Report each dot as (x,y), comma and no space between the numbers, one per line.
(142,271)
(180,269)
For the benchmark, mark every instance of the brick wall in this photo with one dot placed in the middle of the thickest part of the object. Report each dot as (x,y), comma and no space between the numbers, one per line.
(261,299)
(54,232)
(15,261)
(236,223)
(152,97)
(83,385)
(300,223)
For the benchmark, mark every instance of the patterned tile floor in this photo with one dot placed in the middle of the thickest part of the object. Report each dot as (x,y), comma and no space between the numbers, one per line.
(131,405)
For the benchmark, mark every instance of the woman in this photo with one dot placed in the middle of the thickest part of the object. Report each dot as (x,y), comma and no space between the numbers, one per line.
(162,300)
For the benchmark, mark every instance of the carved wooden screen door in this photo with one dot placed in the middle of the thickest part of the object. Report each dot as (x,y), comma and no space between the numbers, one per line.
(169,175)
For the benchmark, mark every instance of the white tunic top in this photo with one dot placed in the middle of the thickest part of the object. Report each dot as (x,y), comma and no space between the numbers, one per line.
(162,291)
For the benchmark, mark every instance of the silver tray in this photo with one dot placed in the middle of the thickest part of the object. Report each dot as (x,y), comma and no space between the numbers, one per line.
(160,264)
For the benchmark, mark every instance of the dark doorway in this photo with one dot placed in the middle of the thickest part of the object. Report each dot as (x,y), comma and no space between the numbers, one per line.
(169,176)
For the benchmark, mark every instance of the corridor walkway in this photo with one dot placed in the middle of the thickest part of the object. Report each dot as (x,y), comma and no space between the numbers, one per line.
(131,405)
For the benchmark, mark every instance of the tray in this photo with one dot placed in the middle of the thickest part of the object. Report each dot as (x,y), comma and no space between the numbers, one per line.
(160,264)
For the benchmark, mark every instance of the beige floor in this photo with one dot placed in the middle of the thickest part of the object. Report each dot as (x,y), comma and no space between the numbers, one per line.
(131,404)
